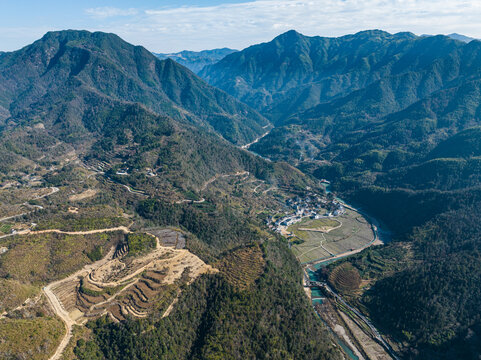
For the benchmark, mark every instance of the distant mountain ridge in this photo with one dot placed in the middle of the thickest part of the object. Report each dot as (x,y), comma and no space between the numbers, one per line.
(197,60)
(293,72)
(65,73)
(372,89)
(456,36)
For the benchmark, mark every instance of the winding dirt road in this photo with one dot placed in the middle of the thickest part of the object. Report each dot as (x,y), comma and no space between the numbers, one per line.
(55,302)
(54,190)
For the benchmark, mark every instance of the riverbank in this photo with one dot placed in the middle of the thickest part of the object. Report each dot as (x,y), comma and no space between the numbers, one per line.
(353,332)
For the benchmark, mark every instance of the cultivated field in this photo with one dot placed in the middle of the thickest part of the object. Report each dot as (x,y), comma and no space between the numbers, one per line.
(242,267)
(324,238)
(122,285)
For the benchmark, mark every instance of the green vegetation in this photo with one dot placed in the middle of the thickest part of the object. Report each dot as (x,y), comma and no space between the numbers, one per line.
(80,335)
(354,233)
(243,267)
(196,60)
(345,278)
(13,293)
(321,225)
(34,339)
(132,74)
(377,262)
(219,228)
(435,300)
(96,254)
(75,223)
(5,228)
(213,320)
(400,137)
(139,243)
(114,106)
(42,258)
(392,120)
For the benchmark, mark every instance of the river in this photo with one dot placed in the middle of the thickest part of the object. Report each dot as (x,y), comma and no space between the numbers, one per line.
(317,295)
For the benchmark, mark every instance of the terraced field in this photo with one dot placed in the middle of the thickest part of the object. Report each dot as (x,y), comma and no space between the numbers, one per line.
(311,244)
(123,285)
(243,266)
(345,278)
(324,225)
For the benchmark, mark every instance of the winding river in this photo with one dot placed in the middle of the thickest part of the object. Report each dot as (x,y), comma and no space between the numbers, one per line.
(317,295)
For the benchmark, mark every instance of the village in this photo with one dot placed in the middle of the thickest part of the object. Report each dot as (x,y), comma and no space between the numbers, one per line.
(310,205)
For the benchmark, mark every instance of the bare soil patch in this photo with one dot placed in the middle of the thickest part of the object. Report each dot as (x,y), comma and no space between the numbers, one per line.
(84,195)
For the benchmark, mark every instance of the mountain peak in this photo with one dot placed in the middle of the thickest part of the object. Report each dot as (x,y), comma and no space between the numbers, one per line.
(373,32)
(289,36)
(96,67)
(460,37)
(454,36)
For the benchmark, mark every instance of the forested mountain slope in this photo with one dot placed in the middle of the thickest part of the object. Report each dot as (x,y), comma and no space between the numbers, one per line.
(393,122)
(294,73)
(100,137)
(67,71)
(363,89)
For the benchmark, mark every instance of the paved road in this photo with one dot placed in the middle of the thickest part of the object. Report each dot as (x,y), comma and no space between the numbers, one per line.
(376,333)
(247,146)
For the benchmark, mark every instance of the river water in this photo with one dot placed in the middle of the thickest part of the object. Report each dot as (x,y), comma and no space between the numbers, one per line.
(317,295)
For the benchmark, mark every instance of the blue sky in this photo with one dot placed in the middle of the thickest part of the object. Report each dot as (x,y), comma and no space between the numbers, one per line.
(174,25)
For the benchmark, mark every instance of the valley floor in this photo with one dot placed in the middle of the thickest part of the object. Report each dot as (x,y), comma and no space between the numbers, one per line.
(354,332)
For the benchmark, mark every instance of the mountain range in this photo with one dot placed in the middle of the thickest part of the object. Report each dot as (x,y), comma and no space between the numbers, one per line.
(66,73)
(457,36)
(391,120)
(197,60)
(361,89)
(96,94)
(121,138)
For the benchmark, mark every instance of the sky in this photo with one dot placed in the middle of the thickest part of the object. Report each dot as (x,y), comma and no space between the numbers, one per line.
(174,25)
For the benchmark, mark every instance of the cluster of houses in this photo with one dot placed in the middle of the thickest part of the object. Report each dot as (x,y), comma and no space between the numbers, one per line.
(150,172)
(311,205)
(122,172)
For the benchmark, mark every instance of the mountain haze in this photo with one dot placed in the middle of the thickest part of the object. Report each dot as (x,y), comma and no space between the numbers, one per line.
(197,60)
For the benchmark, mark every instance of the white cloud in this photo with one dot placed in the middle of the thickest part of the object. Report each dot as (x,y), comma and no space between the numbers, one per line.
(243,24)
(107,12)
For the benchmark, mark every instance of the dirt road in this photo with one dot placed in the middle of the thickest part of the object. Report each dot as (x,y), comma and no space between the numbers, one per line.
(218,176)
(54,301)
(54,190)
(58,308)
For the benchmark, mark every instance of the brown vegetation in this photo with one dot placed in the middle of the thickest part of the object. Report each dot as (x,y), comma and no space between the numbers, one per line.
(243,266)
(345,278)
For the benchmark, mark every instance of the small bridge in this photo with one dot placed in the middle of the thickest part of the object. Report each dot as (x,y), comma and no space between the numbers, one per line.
(311,284)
